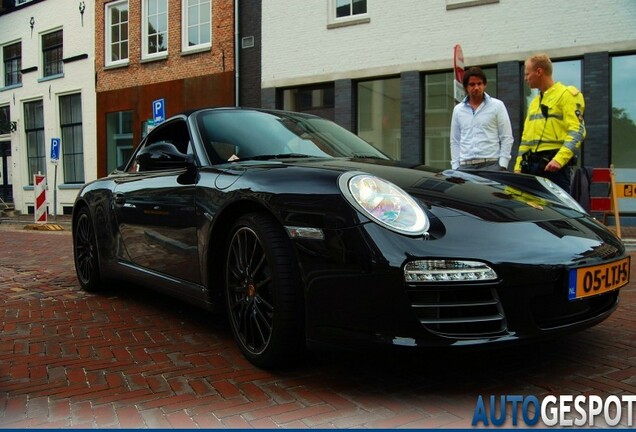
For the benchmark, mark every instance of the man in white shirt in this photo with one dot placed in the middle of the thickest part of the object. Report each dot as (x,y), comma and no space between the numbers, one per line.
(481,135)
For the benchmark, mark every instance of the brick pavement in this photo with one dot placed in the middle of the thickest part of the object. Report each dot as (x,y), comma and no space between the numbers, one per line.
(135,359)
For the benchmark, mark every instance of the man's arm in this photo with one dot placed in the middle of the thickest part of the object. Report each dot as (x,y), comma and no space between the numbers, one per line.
(573,107)
(505,136)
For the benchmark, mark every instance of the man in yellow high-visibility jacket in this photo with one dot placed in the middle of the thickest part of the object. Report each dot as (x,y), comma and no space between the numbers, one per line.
(554,129)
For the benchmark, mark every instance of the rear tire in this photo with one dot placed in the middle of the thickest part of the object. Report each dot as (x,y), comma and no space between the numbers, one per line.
(263,294)
(85,252)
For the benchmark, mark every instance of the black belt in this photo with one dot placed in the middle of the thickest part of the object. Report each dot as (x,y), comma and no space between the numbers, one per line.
(478,161)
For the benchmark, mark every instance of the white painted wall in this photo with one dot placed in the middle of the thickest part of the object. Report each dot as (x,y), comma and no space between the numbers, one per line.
(407,35)
(79,77)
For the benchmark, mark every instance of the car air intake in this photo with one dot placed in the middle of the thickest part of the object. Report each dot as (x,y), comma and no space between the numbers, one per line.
(465,312)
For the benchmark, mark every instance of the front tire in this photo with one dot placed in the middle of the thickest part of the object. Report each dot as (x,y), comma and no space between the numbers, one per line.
(262,292)
(85,252)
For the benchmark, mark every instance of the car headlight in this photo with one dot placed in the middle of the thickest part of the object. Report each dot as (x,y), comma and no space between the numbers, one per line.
(448,270)
(560,194)
(384,203)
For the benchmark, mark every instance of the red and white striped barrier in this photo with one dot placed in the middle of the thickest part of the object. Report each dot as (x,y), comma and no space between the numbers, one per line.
(39,186)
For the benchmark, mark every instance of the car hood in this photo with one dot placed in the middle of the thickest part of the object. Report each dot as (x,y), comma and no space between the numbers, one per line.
(443,193)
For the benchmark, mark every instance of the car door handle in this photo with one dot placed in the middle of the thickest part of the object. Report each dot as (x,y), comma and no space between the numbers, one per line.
(120,199)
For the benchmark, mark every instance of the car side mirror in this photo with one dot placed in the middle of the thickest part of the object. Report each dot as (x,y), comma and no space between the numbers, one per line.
(163,155)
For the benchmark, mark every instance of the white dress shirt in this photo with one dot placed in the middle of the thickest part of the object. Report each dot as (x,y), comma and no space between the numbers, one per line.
(484,133)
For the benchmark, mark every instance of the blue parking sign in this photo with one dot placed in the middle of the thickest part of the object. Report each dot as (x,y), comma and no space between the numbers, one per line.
(55,149)
(159,111)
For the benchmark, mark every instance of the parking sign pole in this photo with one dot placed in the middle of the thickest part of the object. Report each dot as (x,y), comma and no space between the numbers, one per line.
(55,156)
(55,194)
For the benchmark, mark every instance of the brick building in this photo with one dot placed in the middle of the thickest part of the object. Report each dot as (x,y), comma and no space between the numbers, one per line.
(144,52)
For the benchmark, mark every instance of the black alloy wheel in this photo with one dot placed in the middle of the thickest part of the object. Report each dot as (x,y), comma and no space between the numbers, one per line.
(85,252)
(263,296)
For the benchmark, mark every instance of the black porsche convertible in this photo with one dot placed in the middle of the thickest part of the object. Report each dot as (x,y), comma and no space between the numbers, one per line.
(308,236)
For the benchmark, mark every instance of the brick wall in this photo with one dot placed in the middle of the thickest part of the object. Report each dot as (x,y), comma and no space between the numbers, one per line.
(250,58)
(510,91)
(177,65)
(344,110)
(412,115)
(596,90)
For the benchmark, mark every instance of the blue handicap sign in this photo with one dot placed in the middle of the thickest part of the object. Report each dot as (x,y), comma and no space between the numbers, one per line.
(159,111)
(55,149)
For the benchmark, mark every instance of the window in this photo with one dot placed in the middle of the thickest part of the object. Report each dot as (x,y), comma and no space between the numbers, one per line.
(439,101)
(197,21)
(348,8)
(623,119)
(117,33)
(12,60)
(155,30)
(379,114)
(5,120)
(72,138)
(347,12)
(119,136)
(34,128)
(52,53)
(317,99)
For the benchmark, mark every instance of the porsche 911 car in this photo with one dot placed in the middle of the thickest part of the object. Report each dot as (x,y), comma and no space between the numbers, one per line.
(308,236)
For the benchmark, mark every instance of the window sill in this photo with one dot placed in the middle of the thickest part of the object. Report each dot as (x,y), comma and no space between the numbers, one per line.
(68,186)
(458,4)
(51,77)
(163,56)
(10,87)
(110,66)
(63,186)
(195,50)
(348,22)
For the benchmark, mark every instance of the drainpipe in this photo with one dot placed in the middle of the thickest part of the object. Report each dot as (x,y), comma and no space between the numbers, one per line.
(236,53)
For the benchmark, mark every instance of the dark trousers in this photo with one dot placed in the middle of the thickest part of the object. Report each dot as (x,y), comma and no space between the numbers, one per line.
(561,177)
(536,162)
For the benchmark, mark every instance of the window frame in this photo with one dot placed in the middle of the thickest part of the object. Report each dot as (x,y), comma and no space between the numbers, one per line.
(622,116)
(34,131)
(18,74)
(5,120)
(72,151)
(321,97)
(108,42)
(119,139)
(185,17)
(57,65)
(380,124)
(333,21)
(145,18)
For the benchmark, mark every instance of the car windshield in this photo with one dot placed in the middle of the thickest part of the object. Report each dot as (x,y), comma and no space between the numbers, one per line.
(233,135)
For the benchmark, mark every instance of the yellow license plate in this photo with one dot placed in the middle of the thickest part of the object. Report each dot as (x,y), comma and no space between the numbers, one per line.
(589,281)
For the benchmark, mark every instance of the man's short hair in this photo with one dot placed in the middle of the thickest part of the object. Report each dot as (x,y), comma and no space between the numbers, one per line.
(541,61)
(474,71)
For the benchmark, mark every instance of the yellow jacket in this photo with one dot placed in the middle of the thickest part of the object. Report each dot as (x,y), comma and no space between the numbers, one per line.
(562,130)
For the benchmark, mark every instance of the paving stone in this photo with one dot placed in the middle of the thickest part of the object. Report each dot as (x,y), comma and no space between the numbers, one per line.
(132,358)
